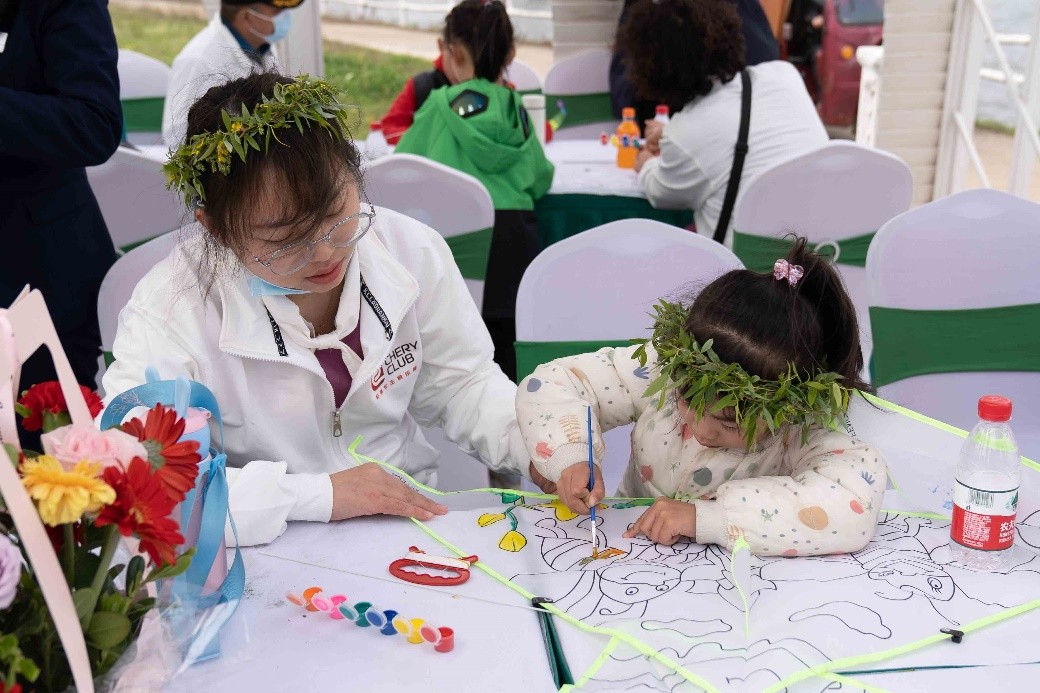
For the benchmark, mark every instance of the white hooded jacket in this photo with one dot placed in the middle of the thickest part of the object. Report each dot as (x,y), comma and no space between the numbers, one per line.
(429,364)
(213,56)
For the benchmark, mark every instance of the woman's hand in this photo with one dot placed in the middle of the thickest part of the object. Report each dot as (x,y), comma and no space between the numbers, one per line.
(642,157)
(541,482)
(652,129)
(573,488)
(666,521)
(368,490)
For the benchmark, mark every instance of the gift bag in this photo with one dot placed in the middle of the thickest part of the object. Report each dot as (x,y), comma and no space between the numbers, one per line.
(24,328)
(205,596)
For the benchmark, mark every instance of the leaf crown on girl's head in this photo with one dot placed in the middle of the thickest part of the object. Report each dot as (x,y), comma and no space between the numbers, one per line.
(709,385)
(306,101)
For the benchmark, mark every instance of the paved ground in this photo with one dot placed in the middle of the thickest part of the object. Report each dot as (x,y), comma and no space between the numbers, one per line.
(994,148)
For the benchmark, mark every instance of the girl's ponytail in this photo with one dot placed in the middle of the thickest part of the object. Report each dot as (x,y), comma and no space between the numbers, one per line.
(822,288)
(492,40)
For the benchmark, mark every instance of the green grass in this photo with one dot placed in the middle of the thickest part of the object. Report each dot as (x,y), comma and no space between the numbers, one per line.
(370,79)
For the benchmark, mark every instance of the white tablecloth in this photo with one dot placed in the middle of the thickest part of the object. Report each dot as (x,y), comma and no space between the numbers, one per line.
(586,167)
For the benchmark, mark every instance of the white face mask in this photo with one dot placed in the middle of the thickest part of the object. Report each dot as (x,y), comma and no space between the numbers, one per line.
(280,22)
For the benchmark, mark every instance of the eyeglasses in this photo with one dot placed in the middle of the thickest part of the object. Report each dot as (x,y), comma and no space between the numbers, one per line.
(292,258)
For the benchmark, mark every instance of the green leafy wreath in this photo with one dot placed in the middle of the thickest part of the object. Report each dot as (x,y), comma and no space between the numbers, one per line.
(709,385)
(307,100)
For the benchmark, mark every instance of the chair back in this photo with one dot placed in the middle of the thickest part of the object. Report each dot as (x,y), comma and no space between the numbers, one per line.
(142,91)
(955,308)
(837,196)
(118,286)
(131,190)
(523,77)
(598,288)
(453,203)
(582,82)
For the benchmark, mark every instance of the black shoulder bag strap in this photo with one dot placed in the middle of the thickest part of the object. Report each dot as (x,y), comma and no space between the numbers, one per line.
(739,153)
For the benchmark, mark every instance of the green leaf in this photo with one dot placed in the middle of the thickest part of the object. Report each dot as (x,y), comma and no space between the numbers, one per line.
(107,630)
(226,117)
(85,598)
(173,569)
(134,575)
(28,669)
(12,453)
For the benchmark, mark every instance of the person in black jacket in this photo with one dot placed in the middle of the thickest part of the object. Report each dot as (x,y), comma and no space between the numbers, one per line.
(59,112)
(759,46)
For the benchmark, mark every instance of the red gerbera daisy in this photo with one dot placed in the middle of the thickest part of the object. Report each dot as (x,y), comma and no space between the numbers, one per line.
(142,508)
(43,406)
(176,464)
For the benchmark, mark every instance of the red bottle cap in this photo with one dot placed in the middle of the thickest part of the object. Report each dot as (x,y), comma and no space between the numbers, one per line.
(662,109)
(994,408)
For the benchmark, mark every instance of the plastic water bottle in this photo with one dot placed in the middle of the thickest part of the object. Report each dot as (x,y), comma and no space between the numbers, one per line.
(661,114)
(375,145)
(985,495)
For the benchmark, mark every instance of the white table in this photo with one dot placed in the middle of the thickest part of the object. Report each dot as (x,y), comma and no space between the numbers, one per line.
(589,168)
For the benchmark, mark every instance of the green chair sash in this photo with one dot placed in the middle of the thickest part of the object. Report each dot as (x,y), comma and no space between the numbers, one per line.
(530,355)
(143,115)
(758,253)
(471,251)
(920,342)
(110,358)
(562,216)
(582,109)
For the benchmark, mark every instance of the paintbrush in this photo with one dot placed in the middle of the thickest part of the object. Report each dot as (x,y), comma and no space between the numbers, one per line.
(592,480)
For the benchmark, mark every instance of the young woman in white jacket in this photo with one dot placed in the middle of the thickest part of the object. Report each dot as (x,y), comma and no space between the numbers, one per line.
(313,317)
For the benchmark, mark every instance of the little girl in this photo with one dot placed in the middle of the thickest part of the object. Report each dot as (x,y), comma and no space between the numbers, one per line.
(738,402)
(471,28)
(480,127)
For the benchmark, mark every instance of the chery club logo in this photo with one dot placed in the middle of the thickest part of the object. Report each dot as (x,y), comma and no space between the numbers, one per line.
(399,364)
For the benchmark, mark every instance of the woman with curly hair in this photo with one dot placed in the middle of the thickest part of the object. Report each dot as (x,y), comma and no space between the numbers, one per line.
(689,54)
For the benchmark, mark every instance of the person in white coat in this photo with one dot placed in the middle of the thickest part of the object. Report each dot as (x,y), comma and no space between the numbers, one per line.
(238,41)
(314,318)
(689,54)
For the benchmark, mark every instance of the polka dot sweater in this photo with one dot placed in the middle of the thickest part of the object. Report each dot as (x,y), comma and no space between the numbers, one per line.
(784,498)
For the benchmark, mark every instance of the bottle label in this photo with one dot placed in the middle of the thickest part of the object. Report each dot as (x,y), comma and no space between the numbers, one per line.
(983,519)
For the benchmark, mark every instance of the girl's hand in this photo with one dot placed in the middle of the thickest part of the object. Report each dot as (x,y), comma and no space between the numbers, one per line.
(540,481)
(666,521)
(573,488)
(368,490)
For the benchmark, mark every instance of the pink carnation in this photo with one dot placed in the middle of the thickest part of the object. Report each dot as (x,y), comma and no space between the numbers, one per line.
(72,444)
(10,571)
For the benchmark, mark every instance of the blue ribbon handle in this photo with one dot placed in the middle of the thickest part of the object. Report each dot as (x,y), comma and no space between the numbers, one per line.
(160,392)
(205,642)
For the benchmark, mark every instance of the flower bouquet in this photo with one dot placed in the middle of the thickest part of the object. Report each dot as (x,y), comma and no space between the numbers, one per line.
(68,609)
(91,488)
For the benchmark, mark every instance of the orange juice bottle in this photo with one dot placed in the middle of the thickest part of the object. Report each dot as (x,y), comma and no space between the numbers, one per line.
(627,131)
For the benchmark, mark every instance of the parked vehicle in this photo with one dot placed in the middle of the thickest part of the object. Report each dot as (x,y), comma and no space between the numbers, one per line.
(821,40)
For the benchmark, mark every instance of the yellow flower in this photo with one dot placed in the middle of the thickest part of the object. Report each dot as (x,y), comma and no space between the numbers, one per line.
(62,497)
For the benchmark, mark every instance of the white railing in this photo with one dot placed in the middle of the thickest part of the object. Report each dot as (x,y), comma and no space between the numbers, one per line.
(972,29)
(869,59)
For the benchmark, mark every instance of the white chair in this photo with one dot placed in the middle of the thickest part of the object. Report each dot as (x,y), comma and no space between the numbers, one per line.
(453,203)
(523,77)
(459,207)
(142,91)
(599,287)
(976,249)
(837,196)
(119,284)
(131,190)
(582,81)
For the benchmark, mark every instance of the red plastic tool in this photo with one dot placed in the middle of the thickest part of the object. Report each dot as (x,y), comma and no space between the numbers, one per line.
(459,567)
